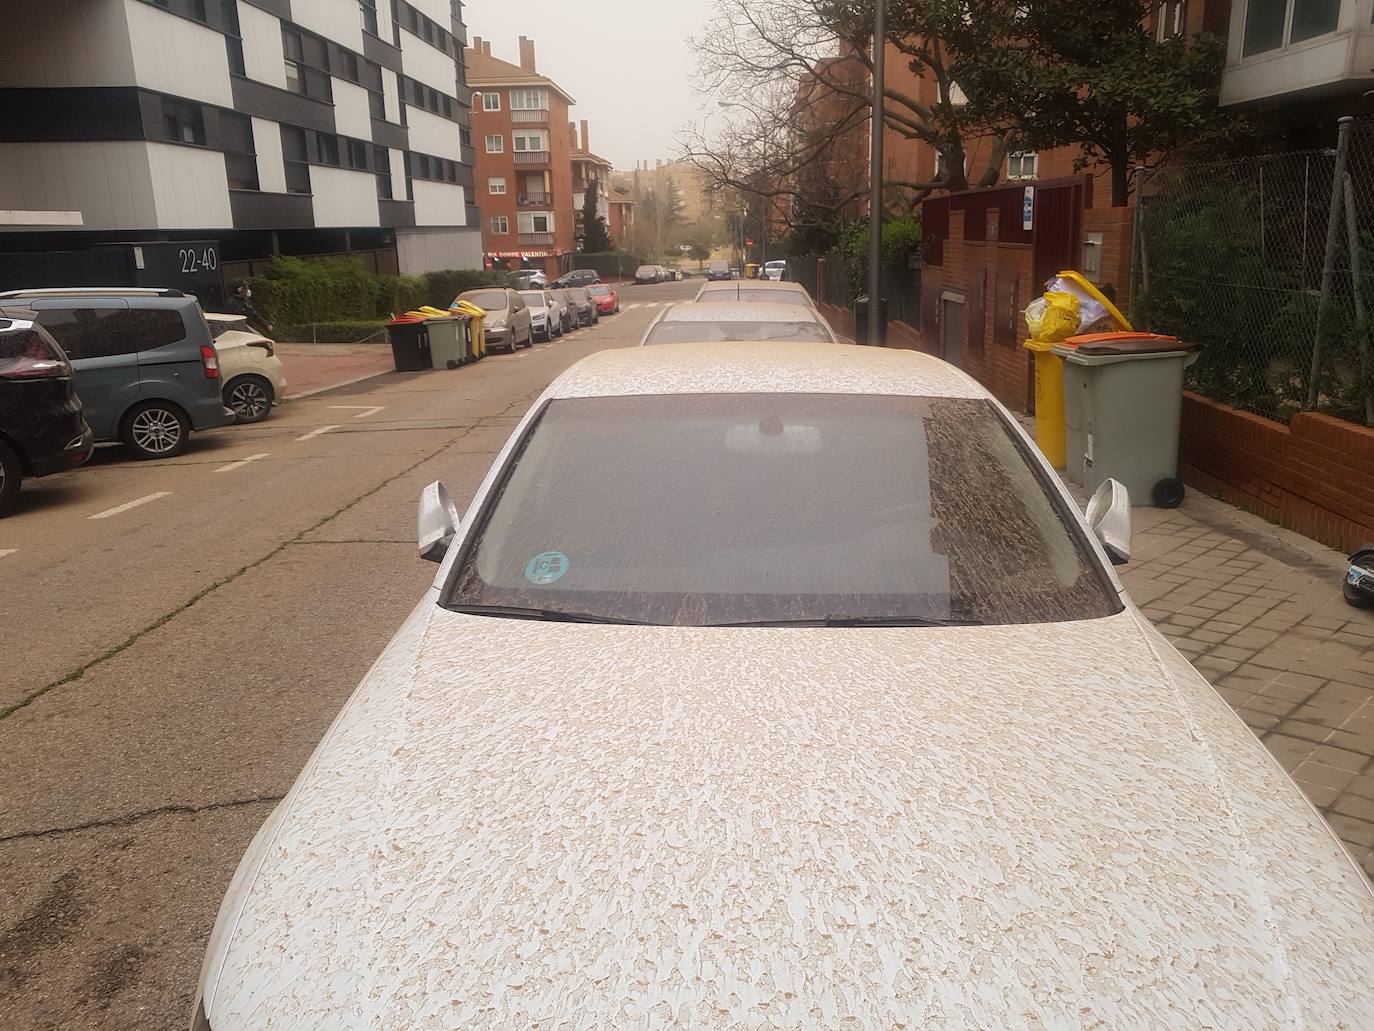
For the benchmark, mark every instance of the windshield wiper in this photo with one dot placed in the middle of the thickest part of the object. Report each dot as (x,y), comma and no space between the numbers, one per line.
(858,621)
(551,615)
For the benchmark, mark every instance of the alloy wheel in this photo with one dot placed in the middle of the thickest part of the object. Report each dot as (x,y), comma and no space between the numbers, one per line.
(156,430)
(249,400)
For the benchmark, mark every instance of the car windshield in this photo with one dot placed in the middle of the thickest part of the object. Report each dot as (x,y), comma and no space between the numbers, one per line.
(719,266)
(534,298)
(751,294)
(710,509)
(490,300)
(646,270)
(600,291)
(708,332)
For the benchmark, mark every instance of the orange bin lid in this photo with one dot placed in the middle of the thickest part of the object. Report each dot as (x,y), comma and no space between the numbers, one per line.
(1127,343)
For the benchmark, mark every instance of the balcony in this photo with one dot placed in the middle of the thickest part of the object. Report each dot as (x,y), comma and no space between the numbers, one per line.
(529,118)
(536,239)
(1274,53)
(534,200)
(532,157)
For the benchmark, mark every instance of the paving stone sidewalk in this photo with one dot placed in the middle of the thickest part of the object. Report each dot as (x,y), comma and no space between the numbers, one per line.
(1258,610)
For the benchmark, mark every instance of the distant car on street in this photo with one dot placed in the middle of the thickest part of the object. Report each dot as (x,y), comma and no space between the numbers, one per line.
(785,686)
(546,313)
(775,270)
(755,290)
(702,322)
(584,304)
(527,278)
(646,274)
(42,430)
(508,322)
(579,277)
(718,270)
(143,363)
(607,300)
(253,377)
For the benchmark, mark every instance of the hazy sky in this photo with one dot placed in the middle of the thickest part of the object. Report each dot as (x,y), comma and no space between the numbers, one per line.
(626,62)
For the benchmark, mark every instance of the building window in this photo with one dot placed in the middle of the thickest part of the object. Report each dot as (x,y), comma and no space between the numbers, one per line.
(183,122)
(1171,18)
(240,155)
(1313,18)
(1267,20)
(500,225)
(306,61)
(357,155)
(496,144)
(381,161)
(296,159)
(535,222)
(528,100)
(1023,164)
(527,141)
(367,10)
(491,101)
(496,185)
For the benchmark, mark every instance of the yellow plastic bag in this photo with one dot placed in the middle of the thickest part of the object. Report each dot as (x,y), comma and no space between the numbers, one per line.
(1061,317)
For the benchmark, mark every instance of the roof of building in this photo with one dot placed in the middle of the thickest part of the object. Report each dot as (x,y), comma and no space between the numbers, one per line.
(578,154)
(485,70)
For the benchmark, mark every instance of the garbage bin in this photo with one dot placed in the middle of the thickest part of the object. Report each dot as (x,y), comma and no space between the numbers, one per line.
(1123,398)
(447,342)
(477,326)
(409,344)
(1049,401)
(861,321)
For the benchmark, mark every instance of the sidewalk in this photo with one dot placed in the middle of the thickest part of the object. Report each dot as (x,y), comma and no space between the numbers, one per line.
(311,368)
(1258,610)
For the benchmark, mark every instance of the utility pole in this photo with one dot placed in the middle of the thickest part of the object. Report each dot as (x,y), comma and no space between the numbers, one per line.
(875,174)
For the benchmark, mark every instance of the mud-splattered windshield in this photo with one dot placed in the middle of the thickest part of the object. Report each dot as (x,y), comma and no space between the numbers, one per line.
(716,509)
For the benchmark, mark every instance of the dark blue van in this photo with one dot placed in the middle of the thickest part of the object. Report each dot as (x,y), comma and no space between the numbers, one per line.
(143,360)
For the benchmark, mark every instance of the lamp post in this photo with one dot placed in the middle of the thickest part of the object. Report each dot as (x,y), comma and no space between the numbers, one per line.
(875,174)
(763,142)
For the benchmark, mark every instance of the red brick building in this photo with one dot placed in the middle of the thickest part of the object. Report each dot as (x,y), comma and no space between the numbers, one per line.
(524,160)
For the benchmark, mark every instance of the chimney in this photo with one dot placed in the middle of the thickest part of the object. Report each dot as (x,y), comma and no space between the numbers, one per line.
(486,47)
(586,142)
(527,53)
(476,44)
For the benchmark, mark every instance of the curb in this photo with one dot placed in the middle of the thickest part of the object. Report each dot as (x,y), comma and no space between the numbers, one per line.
(336,386)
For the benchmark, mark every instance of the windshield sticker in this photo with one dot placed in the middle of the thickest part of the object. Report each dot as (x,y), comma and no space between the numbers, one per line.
(547,567)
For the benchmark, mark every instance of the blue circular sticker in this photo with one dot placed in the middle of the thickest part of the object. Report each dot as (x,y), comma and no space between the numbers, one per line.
(546,568)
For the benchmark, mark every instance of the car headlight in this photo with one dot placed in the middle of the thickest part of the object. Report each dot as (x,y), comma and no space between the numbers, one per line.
(497,323)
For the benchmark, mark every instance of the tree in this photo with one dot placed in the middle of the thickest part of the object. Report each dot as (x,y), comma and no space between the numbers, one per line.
(596,237)
(657,214)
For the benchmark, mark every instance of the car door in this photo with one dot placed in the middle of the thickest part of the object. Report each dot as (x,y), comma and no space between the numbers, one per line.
(520,316)
(104,357)
(169,360)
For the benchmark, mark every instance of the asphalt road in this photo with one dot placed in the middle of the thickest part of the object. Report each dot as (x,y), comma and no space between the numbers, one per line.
(178,636)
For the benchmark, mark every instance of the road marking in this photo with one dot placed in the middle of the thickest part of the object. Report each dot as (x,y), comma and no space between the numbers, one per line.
(239,464)
(363,410)
(632,307)
(316,433)
(129,504)
(7,551)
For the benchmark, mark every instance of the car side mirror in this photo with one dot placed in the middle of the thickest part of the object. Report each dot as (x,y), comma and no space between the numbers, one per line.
(1109,517)
(437,522)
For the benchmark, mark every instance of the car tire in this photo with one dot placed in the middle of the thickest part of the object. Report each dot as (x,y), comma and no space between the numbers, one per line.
(250,397)
(10,474)
(156,429)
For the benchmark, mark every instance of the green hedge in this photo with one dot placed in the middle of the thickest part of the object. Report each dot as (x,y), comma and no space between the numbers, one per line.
(332,332)
(339,290)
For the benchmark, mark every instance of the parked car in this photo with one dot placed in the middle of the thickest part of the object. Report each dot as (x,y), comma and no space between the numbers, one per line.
(579,277)
(809,693)
(248,364)
(647,274)
(607,300)
(143,363)
(751,290)
(42,430)
(775,270)
(568,306)
(508,321)
(718,270)
(527,278)
(702,322)
(546,313)
(582,304)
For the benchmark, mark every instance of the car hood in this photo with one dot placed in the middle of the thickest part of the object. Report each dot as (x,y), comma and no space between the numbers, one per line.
(518,823)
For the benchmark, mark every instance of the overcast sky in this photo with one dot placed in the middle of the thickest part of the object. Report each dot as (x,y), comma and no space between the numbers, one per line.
(626,62)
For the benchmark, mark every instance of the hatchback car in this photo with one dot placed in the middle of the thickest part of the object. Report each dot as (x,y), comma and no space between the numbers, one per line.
(715,321)
(579,277)
(143,363)
(42,430)
(774,270)
(719,270)
(546,313)
(785,686)
(508,322)
(254,380)
(755,290)
(582,305)
(647,274)
(607,300)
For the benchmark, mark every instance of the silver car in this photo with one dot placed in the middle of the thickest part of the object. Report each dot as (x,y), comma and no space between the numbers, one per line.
(705,322)
(755,290)
(508,317)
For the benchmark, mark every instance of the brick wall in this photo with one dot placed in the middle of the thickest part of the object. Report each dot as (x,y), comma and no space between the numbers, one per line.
(1115,225)
(1315,475)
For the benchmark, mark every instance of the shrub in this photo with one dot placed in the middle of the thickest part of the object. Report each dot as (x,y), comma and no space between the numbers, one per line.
(444,286)
(340,290)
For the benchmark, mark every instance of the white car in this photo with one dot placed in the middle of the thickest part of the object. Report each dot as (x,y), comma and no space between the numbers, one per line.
(701,322)
(755,290)
(546,313)
(784,686)
(248,366)
(775,270)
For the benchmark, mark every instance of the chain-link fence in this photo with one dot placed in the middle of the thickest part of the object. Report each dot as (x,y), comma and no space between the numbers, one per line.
(1252,260)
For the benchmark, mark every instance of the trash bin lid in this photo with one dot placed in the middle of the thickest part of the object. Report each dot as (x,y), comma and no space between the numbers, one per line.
(405,320)
(1127,343)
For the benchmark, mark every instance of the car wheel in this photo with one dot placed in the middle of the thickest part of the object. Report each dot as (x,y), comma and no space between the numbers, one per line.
(10,474)
(250,397)
(156,429)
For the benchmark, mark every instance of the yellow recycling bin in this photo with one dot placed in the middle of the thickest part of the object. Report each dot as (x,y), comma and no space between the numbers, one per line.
(479,329)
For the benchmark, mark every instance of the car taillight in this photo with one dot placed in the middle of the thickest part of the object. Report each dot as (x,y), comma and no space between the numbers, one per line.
(35,368)
(210,360)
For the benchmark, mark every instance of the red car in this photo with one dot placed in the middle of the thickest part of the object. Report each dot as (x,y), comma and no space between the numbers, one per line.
(607,300)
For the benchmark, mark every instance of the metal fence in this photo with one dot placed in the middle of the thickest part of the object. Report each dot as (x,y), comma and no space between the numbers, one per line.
(1267,265)
(900,287)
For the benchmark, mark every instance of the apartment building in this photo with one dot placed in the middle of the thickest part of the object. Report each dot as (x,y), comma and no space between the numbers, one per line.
(524,160)
(589,172)
(621,221)
(262,126)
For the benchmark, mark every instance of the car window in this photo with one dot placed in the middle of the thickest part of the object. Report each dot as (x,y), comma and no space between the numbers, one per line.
(600,291)
(532,297)
(699,509)
(707,332)
(488,300)
(218,327)
(108,332)
(517,303)
(26,346)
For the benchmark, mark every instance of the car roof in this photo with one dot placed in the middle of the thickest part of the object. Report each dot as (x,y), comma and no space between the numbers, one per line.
(763,368)
(736,311)
(783,290)
(94,291)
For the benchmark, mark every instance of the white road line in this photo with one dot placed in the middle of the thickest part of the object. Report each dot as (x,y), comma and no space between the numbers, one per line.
(363,410)
(129,504)
(316,433)
(7,551)
(239,464)
(632,307)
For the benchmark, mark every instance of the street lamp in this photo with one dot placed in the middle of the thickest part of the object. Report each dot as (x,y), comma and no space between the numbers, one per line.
(763,142)
(875,173)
